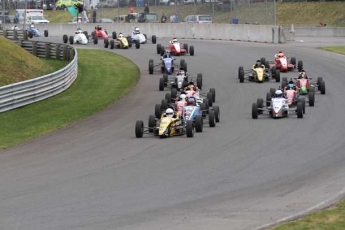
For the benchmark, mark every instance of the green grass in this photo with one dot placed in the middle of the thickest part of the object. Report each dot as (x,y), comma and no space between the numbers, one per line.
(297,13)
(98,85)
(18,65)
(329,219)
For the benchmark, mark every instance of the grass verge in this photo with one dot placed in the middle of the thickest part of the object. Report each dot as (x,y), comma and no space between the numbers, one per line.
(331,218)
(98,85)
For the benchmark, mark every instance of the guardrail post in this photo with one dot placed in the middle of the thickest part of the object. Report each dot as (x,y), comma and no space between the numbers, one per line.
(65,53)
(34,48)
(25,35)
(5,33)
(15,35)
(57,51)
(47,50)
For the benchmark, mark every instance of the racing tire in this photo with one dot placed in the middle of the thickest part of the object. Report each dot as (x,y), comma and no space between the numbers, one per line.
(158,111)
(241,75)
(151,66)
(199,81)
(191,50)
(173,93)
(199,124)
(65,38)
(203,109)
(86,34)
(106,43)
(93,35)
(274,71)
(152,123)
(114,35)
(322,87)
(284,79)
(277,76)
(165,77)
(185,66)
(263,60)
(299,110)
(272,91)
(112,44)
(159,46)
(207,105)
(30,34)
(130,41)
(300,65)
(185,46)
(189,129)
(284,83)
(168,97)
(293,61)
(154,39)
(213,91)
(161,84)
(302,100)
(71,40)
(211,118)
(319,79)
(216,113)
(239,69)
(268,99)
(260,103)
(46,33)
(162,50)
(137,44)
(139,129)
(164,104)
(267,65)
(95,40)
(182,61)
(255,111)
(210,99)
(311,96)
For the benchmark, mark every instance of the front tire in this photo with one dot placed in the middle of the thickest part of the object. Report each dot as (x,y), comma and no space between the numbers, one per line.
(139,129)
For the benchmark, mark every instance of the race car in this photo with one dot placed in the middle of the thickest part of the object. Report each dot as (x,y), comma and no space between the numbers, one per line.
(258,73)
(80,37)
(175,48)
(165,126)
(166,65)
(284,64)
(142,38)
(305,85)
(179,81)
(276,107)
(121,42)
(34,32)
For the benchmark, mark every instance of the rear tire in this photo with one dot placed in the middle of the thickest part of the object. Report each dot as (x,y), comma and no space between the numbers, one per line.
(45,33)
(199,81)
(198,124)
(277,76)
(152,123)
(211,118)
(213,91)
(191,50)
(158,111)
(216,113)
(151,66)
(159,46)
(311,96)
(154,39)
(139,129)
(255,111)
(71,40)
(241,75)
(65,38)
(299,110)
(173,93)
(189,129)
(161,84)
(322,87)
(112,44)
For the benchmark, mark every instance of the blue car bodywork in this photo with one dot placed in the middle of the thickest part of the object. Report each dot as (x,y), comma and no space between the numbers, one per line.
(168,66)
(35,32)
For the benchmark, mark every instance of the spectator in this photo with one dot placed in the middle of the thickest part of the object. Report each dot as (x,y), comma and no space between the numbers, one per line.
(172,18)
(131,9)
(94,16)
(17,17)
(163,19)
(175,18)
(147,9)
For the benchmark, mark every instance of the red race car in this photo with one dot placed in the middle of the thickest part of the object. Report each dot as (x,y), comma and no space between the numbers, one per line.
(99,32)
(285,64)
(175,48)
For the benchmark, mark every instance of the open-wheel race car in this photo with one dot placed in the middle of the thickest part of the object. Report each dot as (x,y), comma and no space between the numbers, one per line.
(120,42)
(276,107)
(292,96)
(260,72)
(142,38)
(284,63)
(180,81)
(80,37)
(175,48)
(166,65)
(166,124)
(34,32)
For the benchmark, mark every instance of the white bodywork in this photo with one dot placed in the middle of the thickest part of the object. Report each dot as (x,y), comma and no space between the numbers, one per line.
(140,37)
(177,47)
(80,38)
(280,107)
(179,80)
(33,16)
(283,61)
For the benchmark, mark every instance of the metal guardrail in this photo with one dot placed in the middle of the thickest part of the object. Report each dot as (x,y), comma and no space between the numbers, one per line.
(37,89)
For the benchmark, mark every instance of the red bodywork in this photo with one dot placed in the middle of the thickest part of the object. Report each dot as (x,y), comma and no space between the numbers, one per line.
(290,95)
(303,82)
(179,106)
(283,64)
(176,49)
(100,33)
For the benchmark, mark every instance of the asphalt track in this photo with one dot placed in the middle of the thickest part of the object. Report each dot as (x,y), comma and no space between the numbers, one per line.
(241,174)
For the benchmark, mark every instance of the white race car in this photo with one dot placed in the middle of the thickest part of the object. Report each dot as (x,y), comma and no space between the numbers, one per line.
(142,38)
(80,37)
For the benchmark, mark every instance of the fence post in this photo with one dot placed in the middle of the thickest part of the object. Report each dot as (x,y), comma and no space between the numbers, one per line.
(57,51)
(15,35)
(65,53)
(34,48)
(47,50)
(25,35)
(5,33)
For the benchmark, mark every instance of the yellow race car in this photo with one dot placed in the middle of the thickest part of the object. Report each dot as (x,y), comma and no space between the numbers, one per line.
(122,42)
(258,73)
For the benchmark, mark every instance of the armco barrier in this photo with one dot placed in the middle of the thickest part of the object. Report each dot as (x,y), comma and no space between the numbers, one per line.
(240,32)
(37,89)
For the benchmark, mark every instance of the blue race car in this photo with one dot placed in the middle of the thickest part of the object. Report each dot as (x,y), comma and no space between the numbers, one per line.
(167,65)
(33,31)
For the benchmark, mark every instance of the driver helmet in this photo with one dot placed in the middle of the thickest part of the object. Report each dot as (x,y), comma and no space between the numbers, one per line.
(174,40)
(183,97)
(181,72)
(302,74)
(32,26)
(99,27)
(280,54)
(169,112)
(278,93)
(258,63)
(190,85)
(191,101)
(120,35)
(136,30)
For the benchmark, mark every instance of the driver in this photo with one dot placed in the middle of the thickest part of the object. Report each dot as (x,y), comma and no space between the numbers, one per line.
(191,87)
(166,55)
(78,31)
(171,113)
(136,31)
(181,72)
(191,101)
(98,27)
(120,35)
(302,75)
(258,64)
(280,54)
(174,40)
(181,103)
(278,94)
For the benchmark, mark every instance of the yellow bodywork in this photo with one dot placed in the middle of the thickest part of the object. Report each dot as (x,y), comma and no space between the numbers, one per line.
(165,123)
(123,42)
(260,76)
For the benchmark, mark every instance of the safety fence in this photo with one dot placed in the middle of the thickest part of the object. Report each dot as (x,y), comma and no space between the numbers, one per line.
(37,89)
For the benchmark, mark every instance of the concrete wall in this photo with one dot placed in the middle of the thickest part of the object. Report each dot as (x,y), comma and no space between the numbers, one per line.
(241,32)
(306,31)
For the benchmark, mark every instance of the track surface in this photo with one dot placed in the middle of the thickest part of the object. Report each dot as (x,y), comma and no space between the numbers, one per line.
(239,175)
